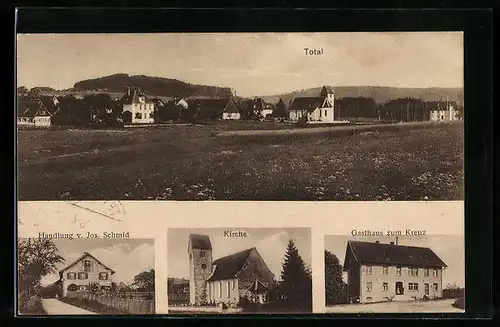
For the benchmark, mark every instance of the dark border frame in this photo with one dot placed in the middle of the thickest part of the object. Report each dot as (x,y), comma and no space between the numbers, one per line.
(477,26)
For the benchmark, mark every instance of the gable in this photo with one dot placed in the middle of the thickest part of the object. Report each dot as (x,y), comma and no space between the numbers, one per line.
(256,260)
(79,264)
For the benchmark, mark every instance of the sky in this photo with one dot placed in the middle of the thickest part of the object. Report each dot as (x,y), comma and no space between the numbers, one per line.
(250,63)
(127,257)
(450,248)
(271,244)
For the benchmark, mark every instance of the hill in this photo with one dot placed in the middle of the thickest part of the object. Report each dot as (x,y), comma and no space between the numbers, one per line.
(158,86)
(381,94)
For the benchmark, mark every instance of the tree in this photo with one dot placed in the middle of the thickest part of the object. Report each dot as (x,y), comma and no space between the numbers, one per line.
(281,110)
(37,257)
(335,288)
(296,285)
(22,90)
(145,281)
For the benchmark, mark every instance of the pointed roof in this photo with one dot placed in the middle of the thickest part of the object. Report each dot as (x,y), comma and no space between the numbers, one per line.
(326,90)
(229,266)
(133,97)
(85,254)
(257,287)
(392,254)
(200,242)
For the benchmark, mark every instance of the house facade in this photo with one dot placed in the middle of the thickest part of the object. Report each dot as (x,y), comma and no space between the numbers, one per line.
(319,109)
(37,115)
(231,111)
(84,273)
(228,279)
(390,272)
(137,108)
(450,114)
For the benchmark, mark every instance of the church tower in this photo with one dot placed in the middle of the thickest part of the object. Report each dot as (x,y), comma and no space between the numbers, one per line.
(200,267)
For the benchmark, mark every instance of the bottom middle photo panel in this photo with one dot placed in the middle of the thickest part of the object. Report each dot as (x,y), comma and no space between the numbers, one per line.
(239,271)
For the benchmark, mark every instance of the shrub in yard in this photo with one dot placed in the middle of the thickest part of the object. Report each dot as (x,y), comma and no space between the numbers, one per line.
(31,305)
(459,303)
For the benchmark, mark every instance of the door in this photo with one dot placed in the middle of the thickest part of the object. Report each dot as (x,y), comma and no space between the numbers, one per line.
(426,288)
(399,288)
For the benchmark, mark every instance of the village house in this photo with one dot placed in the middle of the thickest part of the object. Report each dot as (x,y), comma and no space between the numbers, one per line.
(319,109)
(262,108)
(449,114)
(137,108)
(37,114)
(213,108)
(85,273)
(391,272)
(228,279)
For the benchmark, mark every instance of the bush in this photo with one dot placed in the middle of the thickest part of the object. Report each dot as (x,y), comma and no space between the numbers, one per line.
(459,303)
(30,305)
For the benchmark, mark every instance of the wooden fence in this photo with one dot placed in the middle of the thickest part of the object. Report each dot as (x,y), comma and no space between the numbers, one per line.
(178,298)
(127,305)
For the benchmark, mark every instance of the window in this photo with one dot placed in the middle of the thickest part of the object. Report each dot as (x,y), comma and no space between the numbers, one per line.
(426,272)
(138,115)
(398,271)
(368,286)
(413,287)
(325,113)
(385,270)
(87,265)
(413,271)
(426,288)
(435,273)
(385,287)
(369,298)
(103,276)
(151,115)
(228,289)
(233,284)
(202,253)
(71,275)
(82,288)
(220,289)
(83,275)
(320,113)
(368,270)
(435,287)
(203,266)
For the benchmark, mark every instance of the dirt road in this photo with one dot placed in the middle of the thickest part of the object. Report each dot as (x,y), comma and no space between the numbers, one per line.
(438,306)
(56,307)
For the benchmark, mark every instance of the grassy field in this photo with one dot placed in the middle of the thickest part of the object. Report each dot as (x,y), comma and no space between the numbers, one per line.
(411,162)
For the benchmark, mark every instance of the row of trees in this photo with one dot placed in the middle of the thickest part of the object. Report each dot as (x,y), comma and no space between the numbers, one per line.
(403,109)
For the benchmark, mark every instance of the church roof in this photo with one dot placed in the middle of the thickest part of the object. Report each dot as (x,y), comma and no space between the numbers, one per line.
(306,103)
(229,266)
(200,242)
(392,254)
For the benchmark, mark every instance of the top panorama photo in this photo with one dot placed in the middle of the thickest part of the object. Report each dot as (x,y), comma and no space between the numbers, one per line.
(241,116)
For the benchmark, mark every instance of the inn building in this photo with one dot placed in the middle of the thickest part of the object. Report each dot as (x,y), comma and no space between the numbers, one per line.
(391,272)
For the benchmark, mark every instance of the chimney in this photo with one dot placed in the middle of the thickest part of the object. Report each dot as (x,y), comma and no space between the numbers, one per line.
(392,243)
(396,240)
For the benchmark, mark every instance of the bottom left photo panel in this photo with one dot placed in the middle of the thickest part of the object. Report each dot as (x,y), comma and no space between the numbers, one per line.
(67,275)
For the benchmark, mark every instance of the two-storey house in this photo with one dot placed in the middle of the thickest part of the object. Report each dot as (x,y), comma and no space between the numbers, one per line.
(391,272)
(85,273)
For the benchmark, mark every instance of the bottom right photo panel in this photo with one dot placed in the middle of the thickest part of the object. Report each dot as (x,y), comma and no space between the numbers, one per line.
(394,272)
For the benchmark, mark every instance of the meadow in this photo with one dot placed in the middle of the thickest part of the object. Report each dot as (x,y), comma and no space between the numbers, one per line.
(419,161)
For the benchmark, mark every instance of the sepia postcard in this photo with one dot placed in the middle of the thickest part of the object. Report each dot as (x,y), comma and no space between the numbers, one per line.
(364,116)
